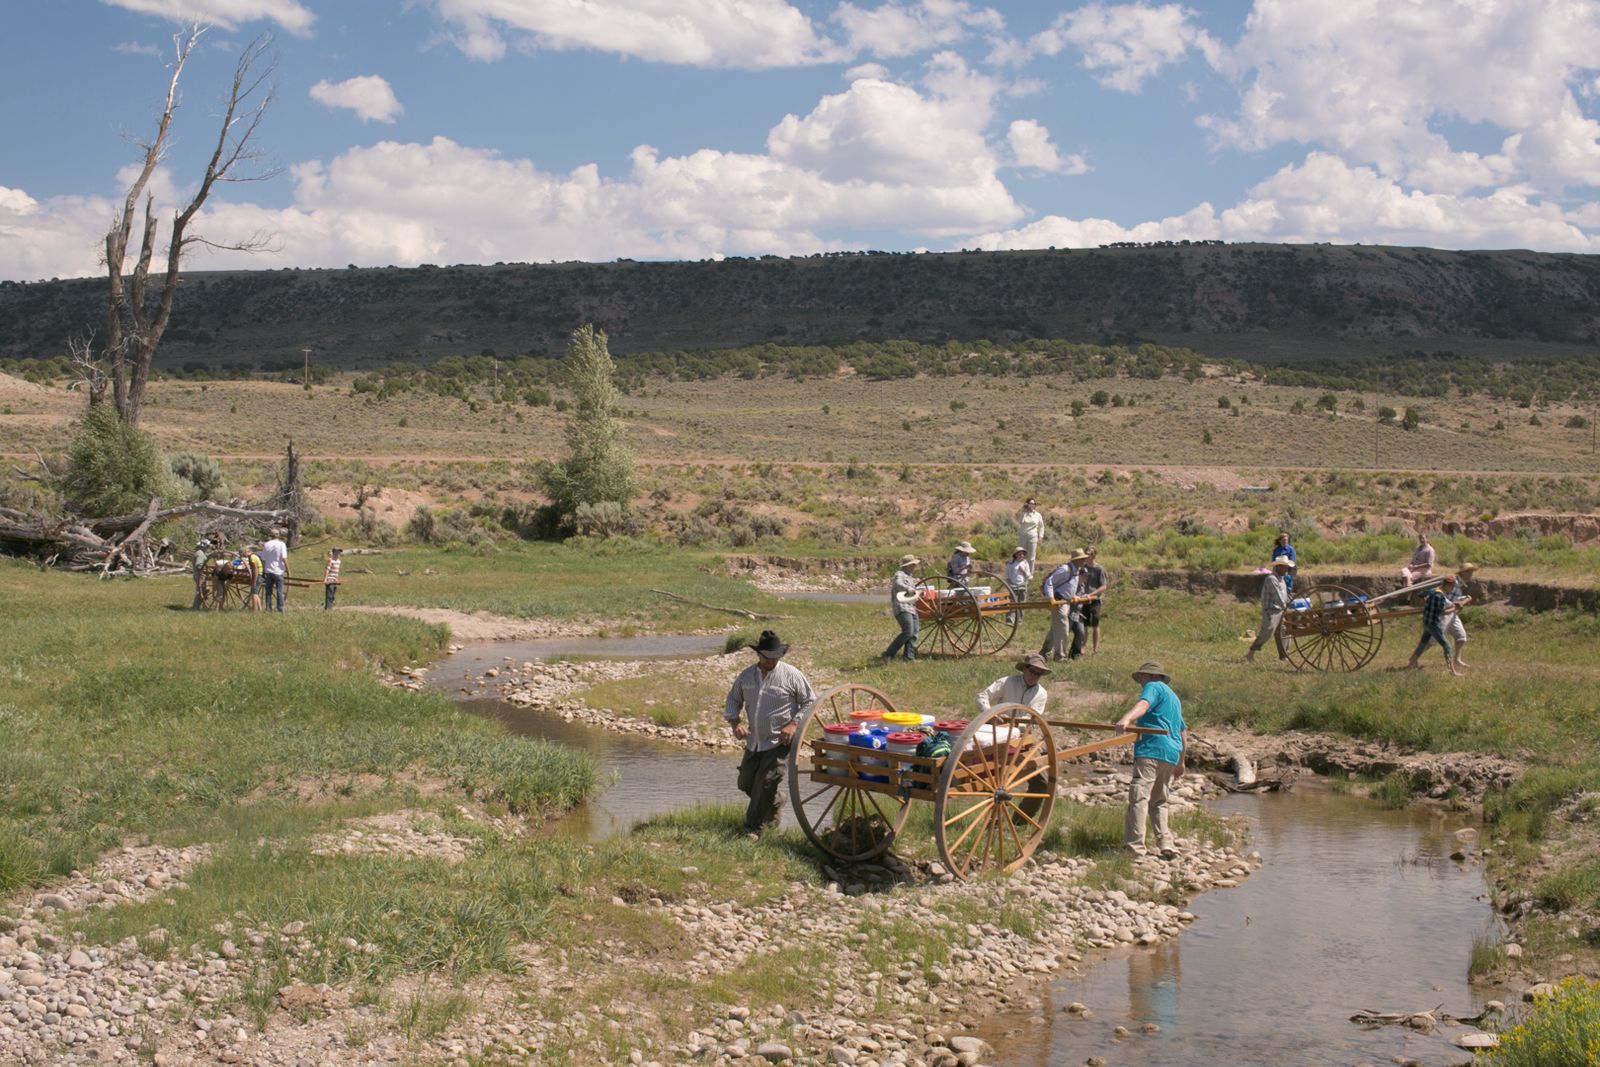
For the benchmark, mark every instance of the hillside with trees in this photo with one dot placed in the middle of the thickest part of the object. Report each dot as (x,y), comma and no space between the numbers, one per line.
(1268,304)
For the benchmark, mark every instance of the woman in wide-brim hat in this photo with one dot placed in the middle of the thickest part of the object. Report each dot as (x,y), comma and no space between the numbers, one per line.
(1157,758)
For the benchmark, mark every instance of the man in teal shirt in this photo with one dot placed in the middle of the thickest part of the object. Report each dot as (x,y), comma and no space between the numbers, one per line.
(1157,758)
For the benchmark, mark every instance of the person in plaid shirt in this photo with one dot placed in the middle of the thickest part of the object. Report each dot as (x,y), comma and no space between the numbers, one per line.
(1434,610)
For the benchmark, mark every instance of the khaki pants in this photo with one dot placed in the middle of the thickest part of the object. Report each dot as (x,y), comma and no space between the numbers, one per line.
(1055,642)
(1147,797)
(760,775)
(1269,630)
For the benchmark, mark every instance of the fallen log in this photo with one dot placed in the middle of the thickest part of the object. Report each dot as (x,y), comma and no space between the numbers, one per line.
(713,607)
(117,544)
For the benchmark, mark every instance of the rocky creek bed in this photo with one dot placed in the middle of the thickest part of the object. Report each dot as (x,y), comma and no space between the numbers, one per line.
(63,1001)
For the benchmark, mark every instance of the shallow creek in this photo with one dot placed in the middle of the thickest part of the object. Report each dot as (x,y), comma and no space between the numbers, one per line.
(1354,907)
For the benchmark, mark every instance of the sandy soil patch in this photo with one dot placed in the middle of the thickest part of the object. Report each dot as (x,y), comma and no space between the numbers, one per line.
(479,626)
(11,385)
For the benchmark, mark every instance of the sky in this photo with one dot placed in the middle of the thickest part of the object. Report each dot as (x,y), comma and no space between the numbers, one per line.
(479,131)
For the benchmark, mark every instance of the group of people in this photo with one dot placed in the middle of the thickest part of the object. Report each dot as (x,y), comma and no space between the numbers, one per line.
(264,566)
(768,700)
(1441,609)
(1074,587)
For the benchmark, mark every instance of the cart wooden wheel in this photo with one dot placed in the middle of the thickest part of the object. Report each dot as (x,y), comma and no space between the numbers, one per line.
(236,596)
(996,791)
(1339,632)
(997,622)
(211,590)
(951,623)
(846,822)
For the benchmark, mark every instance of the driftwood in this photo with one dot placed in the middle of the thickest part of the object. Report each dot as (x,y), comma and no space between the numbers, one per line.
(118,544)
(713,607)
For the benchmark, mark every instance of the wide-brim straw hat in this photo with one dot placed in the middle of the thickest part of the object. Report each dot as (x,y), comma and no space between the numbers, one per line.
(1078,554)
(1282,561)
(966,547)
(908,560)
(1152,668)
(1018,551)
(1033,661)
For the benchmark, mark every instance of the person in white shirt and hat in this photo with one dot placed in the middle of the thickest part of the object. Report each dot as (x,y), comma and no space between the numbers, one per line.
(960,566)
(1020,688)
(1274,602)
(903,606)
(1019,572)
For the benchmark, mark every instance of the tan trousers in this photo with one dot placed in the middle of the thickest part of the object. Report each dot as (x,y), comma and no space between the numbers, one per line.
(1147,798)
(1268,630)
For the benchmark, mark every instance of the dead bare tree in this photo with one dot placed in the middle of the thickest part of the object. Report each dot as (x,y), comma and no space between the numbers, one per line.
(136,316)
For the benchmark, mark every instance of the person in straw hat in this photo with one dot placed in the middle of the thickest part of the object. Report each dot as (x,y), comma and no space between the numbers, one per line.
(1157,758)
(1274,602)
(773,697)
(903,606)
(1019,572)
(1020,688)
(1030,528)
(960,565)
(1062,587)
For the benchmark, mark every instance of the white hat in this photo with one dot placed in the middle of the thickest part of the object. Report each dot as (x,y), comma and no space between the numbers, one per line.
(966,547)
(1282,561)
(908,560)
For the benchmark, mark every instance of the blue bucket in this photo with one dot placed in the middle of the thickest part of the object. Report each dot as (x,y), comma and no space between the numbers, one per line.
(875,740)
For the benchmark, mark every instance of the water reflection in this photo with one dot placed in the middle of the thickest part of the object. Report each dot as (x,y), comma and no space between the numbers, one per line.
(1355,907)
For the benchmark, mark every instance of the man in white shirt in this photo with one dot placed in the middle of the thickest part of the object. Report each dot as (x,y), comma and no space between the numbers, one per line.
(1274,602)
(773,697)
(274,569)
(1020,688)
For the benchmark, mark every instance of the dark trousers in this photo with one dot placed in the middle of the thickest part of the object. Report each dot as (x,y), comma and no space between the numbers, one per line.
(1432,635)
(271,584)
(760,775)
(327,595)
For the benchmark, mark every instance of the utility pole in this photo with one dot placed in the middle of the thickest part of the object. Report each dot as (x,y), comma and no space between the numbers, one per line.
(1376,422)
(306,377)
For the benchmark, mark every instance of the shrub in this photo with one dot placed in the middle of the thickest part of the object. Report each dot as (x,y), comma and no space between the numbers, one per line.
(1563,1030)
(1577,422)
(112,468)
(199,477)
(1386,414)
(1411,420)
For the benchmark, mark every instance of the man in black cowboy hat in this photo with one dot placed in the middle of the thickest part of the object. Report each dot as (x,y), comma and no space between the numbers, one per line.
(773,696)
(1020,688)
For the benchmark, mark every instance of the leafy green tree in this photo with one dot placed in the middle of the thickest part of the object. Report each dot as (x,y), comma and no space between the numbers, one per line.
(1327,402)
(598,467)
(112,468)
(1386,414)
(1100,398)
(1411,419)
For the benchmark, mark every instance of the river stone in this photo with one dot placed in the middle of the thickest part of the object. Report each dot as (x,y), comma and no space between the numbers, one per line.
(841,1056)
(774,1052)
(1513,951)
(1540,989)
(79,960)
(967,1043)
(1478,1039)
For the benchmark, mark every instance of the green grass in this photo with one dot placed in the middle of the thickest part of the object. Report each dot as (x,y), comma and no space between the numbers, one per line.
(126,719)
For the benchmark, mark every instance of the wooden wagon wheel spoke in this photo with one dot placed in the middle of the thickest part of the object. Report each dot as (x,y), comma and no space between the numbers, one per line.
(982,820)
(854,823)
(951,622)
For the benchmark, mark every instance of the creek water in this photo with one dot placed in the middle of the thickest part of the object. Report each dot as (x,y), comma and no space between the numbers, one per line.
(1354,907)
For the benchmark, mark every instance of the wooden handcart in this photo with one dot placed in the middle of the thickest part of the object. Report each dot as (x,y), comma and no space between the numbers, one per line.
(1338,629)
(960,619)
(992,795)
(226,587)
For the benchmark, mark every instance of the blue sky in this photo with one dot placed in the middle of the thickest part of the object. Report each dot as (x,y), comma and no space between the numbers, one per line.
(463,131)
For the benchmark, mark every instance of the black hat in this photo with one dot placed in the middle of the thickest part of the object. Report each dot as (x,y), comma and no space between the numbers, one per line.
(770,646)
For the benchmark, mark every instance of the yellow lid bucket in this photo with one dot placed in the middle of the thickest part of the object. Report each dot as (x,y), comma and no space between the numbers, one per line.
(903,718)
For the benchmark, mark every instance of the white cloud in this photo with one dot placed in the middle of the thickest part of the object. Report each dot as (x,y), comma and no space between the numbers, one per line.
(752,34)
(1126,44)
(292,16)
(903,29)
(874,71)
(369,96)
(1324,198)
(136,48)
(877,156)
(1031,150)
(1375,80)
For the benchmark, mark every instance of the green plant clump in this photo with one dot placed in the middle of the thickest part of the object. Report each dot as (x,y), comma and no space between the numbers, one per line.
(1563,1030)
(112,468)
